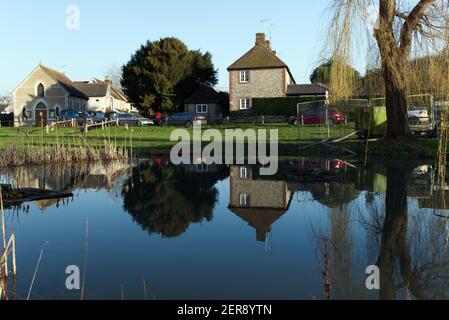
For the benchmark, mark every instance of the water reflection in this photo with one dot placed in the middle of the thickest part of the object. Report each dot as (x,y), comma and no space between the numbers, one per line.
(258,201)
(390,215)
(65,178)
(165,199)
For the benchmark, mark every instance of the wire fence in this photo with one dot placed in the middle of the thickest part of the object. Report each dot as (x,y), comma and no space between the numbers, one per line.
(322,120)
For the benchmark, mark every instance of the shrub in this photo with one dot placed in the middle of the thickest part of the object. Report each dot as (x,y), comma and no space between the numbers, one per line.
(283,106)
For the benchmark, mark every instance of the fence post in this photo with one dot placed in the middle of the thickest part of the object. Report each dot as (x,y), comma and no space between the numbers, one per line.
(327,120)
(116,122)
(86,128)
(299,129)
(13,251)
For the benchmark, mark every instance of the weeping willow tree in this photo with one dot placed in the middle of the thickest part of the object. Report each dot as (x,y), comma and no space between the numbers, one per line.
(402,34)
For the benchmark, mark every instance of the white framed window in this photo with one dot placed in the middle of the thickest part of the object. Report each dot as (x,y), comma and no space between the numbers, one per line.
(245,104)
(244,200)
(202,108)
(244,76)
(243,173)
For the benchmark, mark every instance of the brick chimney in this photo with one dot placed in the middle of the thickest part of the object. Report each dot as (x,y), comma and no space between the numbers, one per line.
(260,39)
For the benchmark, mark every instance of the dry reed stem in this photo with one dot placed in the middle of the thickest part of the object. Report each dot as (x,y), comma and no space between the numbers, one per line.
(35,271)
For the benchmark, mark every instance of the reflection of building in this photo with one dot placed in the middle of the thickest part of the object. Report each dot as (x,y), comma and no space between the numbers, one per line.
(257,201)
(62,178)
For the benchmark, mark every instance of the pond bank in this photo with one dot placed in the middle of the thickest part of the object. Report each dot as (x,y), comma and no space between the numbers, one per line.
(146,141)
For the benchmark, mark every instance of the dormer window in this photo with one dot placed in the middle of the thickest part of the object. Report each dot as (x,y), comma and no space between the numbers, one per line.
(244,76)
(40,90)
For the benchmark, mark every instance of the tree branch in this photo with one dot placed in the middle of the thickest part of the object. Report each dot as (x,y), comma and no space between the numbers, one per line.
(411,24)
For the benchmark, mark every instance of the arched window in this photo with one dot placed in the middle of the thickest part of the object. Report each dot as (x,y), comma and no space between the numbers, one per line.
(24,113)
(40,90)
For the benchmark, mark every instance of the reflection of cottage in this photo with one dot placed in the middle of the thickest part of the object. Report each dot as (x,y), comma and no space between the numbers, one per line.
(207,104)
(257,201)
(104,96)
(43,94)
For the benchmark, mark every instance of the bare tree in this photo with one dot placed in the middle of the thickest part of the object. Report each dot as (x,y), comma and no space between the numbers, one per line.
(114,73)
(404,29)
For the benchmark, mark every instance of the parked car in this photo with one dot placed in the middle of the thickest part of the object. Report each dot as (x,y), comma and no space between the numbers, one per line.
(418,116)
(125,119)
(318,116)
(143,121)
(80,117)
(333,166)
(180,119)
(98,116)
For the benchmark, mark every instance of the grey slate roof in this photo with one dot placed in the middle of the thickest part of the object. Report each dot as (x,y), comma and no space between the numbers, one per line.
(306,90)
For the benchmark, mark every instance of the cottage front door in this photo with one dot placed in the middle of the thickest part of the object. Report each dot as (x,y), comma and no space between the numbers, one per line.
(40,115)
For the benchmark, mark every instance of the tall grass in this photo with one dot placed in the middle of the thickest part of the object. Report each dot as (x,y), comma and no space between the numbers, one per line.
(65,147)
(8,248)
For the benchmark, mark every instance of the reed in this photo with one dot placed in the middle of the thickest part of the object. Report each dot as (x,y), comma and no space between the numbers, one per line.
(9,249)
(65,148)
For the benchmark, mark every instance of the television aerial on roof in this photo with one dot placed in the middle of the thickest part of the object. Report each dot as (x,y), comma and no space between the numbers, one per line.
(267,26)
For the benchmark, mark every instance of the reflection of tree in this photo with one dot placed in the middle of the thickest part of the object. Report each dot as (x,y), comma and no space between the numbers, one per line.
(341,251)
(167,199)
(333,194)
(410,245)
(413,255)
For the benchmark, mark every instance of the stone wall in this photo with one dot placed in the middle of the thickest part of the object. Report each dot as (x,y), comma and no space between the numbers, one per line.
(262,84)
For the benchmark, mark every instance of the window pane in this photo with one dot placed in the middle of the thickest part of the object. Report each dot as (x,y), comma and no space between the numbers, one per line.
(40,90)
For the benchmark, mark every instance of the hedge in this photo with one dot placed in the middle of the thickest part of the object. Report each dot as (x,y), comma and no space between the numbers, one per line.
(283,106)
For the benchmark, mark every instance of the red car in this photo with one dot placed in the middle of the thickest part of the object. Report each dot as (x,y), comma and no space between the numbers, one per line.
(318,116)
(327,165)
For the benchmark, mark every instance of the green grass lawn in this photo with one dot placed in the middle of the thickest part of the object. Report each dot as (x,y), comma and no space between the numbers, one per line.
(146,139)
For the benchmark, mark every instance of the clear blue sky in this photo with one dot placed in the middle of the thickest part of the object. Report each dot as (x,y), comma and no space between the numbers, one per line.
(110,31)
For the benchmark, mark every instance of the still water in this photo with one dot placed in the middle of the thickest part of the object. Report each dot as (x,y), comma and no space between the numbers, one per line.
(225,232)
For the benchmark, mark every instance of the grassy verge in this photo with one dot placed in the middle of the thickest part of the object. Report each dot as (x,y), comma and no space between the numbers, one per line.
(144,140)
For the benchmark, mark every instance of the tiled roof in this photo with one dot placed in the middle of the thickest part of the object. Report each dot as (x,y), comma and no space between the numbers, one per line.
(206,95)
(92,89)
(306,90)
(118,93)
(64,81)
(260,219)
(259,57)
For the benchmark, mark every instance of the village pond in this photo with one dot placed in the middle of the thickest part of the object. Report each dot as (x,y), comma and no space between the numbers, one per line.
(159,231)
